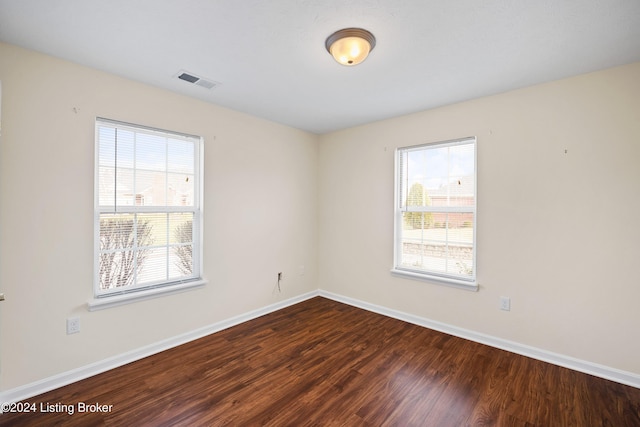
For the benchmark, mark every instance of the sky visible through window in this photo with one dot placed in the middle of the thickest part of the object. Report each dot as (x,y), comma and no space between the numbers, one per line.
(438,168)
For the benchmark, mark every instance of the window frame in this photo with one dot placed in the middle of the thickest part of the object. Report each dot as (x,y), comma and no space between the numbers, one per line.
(422,274)
(107,298)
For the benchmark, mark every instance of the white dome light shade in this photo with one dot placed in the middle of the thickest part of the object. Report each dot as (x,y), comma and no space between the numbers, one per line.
(350,46)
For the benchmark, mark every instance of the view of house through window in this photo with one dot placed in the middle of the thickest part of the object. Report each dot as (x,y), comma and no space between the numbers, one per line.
(147,208)
(436,210)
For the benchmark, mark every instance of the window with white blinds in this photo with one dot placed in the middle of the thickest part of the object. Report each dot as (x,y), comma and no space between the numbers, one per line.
(435,212)
(147,208)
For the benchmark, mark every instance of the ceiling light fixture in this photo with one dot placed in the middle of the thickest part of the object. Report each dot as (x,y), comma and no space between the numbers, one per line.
(350,46)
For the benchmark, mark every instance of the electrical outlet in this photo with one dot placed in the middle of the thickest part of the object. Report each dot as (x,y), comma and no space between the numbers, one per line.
(73,325)
(505,303)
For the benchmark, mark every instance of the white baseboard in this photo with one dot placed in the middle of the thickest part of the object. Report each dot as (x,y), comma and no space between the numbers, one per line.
(623,377)
(65,378)
(47,384)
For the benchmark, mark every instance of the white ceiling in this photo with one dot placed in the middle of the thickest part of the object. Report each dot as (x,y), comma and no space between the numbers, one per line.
(270,59)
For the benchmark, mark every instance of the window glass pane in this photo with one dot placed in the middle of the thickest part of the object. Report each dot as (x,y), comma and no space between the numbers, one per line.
(428,167)
(117,269)
(181,261)
(445,246)
(446,174)
(153,266)
(124,148)
(106,186)
(460,186)
(180,189)
(118,260)
(124,187)
(151,188)
(107,146)
(181,235)
(181,227)
(116,232)
(133,233)
(155,227)
(151,152)
(181,156)
(418,196)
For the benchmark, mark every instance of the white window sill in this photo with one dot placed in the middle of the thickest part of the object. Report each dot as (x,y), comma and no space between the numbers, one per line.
(460,284)
(116,300)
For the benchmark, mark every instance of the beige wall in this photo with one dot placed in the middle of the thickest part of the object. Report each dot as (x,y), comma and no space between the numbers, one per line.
(260,215)
(557,232)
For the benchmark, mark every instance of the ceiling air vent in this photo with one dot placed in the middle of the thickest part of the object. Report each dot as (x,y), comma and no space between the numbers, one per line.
(197,80)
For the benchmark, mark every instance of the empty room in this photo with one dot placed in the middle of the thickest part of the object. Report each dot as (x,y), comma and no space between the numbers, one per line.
(314,213)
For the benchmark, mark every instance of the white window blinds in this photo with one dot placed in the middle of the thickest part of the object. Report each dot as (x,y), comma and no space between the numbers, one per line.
(148,215)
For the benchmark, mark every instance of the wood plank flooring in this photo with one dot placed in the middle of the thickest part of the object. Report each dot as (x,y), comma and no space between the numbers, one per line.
(323,363)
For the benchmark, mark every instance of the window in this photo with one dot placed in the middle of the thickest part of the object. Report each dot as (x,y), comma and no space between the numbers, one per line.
(147,209)
(435,212)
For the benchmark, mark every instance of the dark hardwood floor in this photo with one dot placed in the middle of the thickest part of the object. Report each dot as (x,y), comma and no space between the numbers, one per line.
(323,363)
